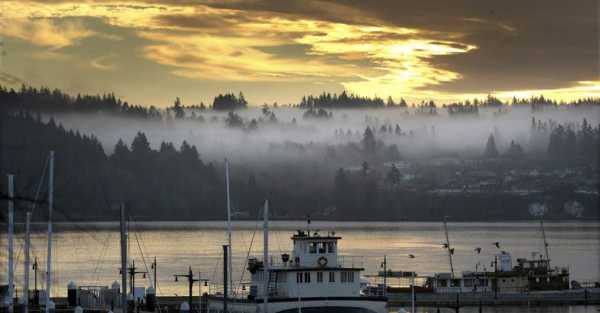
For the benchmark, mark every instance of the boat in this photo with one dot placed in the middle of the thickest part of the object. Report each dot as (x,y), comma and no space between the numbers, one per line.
(314,278)
(394,282)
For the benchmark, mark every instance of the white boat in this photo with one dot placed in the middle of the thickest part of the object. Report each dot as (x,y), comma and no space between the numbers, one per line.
(313,279)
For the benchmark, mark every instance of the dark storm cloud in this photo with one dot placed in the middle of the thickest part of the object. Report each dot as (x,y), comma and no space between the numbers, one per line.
(521,44)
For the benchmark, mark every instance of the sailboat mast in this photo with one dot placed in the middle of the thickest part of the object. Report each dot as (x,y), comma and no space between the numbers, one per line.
(229,267)
(123,233)
(448,247)
(49,252)
(266,257)
(11,225)
(26,263)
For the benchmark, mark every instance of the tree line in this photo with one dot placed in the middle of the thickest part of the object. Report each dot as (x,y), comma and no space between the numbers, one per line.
(55,101)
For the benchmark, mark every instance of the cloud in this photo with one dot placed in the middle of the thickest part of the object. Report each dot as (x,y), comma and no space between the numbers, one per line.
(7,79)
(45,32)
(101,63)
(367,58)
(396,48)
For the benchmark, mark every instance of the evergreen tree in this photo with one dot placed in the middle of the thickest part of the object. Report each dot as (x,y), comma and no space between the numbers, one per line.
(368,142)
(393,176)
(178,109)
(515,150)
(140,145)
(390,102)
(234,120)
(490,148)
(557,142)
(570,143)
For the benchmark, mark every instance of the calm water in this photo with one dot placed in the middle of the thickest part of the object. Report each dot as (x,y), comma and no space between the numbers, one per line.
(91,256)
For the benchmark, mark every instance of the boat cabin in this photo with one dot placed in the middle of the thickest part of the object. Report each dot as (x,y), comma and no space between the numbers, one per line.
(313,270)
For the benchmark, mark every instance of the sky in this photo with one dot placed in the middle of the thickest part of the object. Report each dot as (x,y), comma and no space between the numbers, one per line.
(151,51)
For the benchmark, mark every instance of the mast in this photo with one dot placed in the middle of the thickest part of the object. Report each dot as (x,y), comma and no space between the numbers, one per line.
(35,290)
(384,275)
(26,263)
(49,253)
(225,279)
(11,230)
(545,242)
(123,260)
(266,257)
(154,272)
(448,247)
(229,268)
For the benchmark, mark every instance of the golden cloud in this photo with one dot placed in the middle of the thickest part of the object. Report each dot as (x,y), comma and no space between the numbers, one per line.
(45,32)
(197,41)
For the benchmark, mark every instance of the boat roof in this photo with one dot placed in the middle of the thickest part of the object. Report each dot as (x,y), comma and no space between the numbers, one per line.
(318,269)
(302,235)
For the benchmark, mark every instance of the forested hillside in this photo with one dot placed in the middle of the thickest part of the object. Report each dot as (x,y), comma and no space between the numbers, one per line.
(361,175)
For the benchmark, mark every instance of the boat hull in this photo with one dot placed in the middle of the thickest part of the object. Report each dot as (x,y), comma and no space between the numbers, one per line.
(312,305)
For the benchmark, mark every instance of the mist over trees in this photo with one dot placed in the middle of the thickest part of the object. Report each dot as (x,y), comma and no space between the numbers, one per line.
(483,160)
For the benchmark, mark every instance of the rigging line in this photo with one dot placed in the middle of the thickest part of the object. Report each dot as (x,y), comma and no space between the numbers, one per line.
(75,224)
(39,187)
(135,232)
(101,258)
(214,274)
(33,206)
(106,241)
(250,247)
(144,247)
(148,276)
(277,237)
(245,244)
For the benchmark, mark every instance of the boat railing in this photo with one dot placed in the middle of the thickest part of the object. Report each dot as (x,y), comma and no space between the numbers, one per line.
(342,261)
(350,261)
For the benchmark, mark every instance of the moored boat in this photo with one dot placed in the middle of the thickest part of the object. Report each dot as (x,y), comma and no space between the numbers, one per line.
(313,279)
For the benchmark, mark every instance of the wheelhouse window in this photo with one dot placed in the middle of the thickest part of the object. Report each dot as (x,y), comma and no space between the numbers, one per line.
(331,247)
(332,277)
(322,247)
(307,277)
(319,277)
(299,277)
(312,248)
(347,277)
(350,277)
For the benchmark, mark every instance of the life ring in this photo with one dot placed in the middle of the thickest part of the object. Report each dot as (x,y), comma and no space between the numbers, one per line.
(322,261)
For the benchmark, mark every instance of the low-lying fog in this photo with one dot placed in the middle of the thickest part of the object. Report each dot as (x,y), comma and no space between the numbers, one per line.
(421,135)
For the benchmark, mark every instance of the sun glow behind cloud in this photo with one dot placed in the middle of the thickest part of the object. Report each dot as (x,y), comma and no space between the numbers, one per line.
(200,42)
